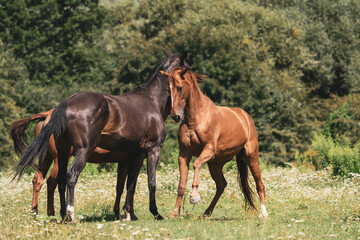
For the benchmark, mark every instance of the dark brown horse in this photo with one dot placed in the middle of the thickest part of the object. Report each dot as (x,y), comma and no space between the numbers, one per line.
(215,135)
(132,123)
(98,156)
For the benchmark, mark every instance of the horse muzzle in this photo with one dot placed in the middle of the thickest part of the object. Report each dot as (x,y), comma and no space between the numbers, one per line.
(176,118)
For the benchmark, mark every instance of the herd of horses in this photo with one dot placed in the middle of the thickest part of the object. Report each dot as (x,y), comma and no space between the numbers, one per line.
(126,129)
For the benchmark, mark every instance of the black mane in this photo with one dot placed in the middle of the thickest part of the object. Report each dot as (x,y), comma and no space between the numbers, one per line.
(155,72)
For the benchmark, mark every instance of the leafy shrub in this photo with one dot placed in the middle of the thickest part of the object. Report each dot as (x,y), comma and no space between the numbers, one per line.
(336,153)
(344,160)
(321,146)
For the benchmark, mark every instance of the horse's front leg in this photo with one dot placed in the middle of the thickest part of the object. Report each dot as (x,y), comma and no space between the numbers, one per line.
(184,160)
(152,162)
(207,154)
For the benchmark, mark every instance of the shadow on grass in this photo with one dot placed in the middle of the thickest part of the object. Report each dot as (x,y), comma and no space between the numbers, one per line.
(222,219)
(108,217)
(202,218)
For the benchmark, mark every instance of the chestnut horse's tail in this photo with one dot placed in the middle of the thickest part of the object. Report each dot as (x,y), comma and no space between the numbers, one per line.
(39,146)
(17,130)
(243,175)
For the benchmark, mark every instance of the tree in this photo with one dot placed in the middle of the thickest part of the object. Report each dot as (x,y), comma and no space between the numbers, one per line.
(13,79)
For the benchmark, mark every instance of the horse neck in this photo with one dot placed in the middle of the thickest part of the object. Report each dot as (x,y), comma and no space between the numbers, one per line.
(158,93)
(197,106)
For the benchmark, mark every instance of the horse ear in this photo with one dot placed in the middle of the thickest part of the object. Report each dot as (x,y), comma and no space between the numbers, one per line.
(183,56)
(182,73)
(165,74)
(166,53)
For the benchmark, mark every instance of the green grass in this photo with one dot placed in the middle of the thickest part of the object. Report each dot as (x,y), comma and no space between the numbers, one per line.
(302,204)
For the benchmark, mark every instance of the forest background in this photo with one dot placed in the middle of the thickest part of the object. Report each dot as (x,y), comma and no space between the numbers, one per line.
(293,65)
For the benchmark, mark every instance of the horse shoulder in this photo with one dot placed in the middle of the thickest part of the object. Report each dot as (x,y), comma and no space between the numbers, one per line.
(184,136)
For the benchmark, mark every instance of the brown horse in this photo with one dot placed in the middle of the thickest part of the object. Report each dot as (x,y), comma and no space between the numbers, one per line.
(215,135)
(131,123)
(98,156)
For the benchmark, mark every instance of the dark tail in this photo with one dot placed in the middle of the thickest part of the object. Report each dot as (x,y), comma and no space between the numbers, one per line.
(243,175)
(18,128)
(39,146)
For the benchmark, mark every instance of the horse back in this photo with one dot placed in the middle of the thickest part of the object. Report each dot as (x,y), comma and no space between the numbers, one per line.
(237,121)
(236,129)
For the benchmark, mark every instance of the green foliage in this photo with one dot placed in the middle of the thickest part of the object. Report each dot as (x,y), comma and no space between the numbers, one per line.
(332,35)
(54,38)
(344,121)
(321,145)
(13,80)
(344,160)
(170,149)
(337,153)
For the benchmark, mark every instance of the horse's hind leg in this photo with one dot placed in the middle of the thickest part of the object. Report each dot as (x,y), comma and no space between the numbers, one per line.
(218,176)
(52,181)
(38,180)
(134,167)
(51,186)
(121,177)
(63,157)
(251,157)
(72,175)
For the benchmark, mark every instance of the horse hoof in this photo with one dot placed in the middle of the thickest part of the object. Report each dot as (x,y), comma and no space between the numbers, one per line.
(66,219)
(194,199)
(158,217)
(173,215)
(117,215)
(70,213)
(206,215)
(263,212)
(134,217)
(127,216)
(51,213)
(74,221)
(35,210)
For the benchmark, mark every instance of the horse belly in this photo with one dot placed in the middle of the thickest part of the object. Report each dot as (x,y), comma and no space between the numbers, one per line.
(105,156)
(226,154)
(228,146)
(118,143)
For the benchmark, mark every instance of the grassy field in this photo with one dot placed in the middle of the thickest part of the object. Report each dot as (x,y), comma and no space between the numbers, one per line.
(302,204)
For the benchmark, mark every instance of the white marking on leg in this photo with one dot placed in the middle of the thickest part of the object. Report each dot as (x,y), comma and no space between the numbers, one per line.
(70,212)
(127,217)
(263,212)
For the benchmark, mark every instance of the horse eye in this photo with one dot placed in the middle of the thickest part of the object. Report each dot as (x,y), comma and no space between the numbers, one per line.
(179,88)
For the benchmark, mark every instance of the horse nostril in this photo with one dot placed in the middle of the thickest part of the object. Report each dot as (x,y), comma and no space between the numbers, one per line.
(176,118)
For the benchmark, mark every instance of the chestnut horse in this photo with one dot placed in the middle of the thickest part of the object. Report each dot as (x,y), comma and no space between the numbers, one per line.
(131,123)
(98,156)
(215,135)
